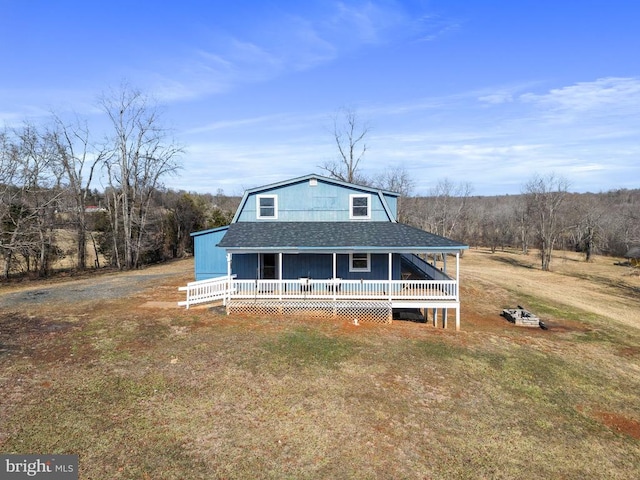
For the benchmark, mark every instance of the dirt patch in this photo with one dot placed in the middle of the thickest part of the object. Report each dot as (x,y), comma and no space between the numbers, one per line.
(619,423)
(162,305)
(16,324)
(629,351)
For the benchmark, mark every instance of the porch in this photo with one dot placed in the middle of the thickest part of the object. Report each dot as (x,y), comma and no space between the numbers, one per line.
(358,270)
(366,300)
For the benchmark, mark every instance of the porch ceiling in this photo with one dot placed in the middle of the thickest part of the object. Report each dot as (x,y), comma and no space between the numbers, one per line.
(334,237)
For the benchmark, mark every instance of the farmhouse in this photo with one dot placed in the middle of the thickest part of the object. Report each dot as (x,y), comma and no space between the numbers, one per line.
(322,247)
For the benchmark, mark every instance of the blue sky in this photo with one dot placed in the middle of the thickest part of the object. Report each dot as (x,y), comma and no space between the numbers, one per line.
(485,92)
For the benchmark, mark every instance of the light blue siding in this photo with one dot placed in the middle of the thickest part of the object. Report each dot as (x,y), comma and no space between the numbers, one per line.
(210,261)
(323,202)
(392,203)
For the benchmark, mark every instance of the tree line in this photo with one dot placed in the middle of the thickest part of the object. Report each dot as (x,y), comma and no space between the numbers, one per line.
(47,177)
(545,216)
(47,186)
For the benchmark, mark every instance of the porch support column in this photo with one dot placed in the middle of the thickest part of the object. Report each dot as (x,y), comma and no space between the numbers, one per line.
(227,297)
(457,276)
(457,291)
(335,283)
(335,265)
(444,262)
(390,273)
(280,286)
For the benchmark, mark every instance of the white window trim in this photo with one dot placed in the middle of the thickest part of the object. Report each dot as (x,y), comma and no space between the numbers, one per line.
(275,207)
(359,217)
(366,269)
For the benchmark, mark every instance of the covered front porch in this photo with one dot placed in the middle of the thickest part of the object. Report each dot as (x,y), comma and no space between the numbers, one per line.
(355,269)
(418,281)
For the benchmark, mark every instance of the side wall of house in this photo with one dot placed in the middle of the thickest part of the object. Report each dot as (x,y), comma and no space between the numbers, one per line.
(318,201)
(210,261)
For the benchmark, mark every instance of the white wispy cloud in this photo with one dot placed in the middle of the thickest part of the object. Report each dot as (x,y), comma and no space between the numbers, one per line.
(231,124)
(431,27)
(600,95)
(286,42)
(497,98)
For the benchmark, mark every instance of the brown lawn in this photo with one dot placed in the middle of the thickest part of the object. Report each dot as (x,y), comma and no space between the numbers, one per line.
(141,389)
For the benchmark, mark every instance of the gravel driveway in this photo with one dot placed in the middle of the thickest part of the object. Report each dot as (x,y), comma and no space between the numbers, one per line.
(99,287)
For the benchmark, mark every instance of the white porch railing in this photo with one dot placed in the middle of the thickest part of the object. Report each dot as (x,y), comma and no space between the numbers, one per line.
(205,291)
(219,288)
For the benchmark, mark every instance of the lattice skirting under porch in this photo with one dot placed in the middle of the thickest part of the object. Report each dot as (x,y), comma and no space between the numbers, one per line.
(367,312)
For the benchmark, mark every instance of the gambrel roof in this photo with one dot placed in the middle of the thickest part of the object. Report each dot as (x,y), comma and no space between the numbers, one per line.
(334,237)
(380,193)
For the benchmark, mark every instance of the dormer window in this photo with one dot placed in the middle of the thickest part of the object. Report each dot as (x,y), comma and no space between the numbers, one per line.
(359,207)
(267,207)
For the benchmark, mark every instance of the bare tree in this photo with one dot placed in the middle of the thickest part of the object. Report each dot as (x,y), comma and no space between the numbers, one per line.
(78,163)
(29,198)
(522,214)
(450,206)
(140,154)
(495,219)
(397,179)
(545,196)
(586,214)
(9,172)
(349,133)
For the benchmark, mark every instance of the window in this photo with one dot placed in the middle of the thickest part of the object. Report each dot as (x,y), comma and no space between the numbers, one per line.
(267,206)
(359,262)
(359,206)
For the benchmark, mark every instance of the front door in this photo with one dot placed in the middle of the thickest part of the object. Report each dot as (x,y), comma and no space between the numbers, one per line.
(269,266)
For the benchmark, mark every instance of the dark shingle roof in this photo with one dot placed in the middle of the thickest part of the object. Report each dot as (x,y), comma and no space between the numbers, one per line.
(332,236)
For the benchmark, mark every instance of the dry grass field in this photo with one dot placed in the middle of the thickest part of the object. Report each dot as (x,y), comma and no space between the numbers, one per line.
(143,390)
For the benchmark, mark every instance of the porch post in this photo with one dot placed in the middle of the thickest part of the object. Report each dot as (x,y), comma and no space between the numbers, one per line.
(457,291)
(335,265)
(229,286)
(335,283)
(390,273)
(444,261)
(280,274)
(457,276)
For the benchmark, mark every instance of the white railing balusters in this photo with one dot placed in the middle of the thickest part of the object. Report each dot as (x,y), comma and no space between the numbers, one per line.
(346,289)
(204,291)
(218,288)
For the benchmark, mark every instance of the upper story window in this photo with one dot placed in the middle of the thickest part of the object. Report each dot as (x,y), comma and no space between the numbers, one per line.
(359,206)
(267,206)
